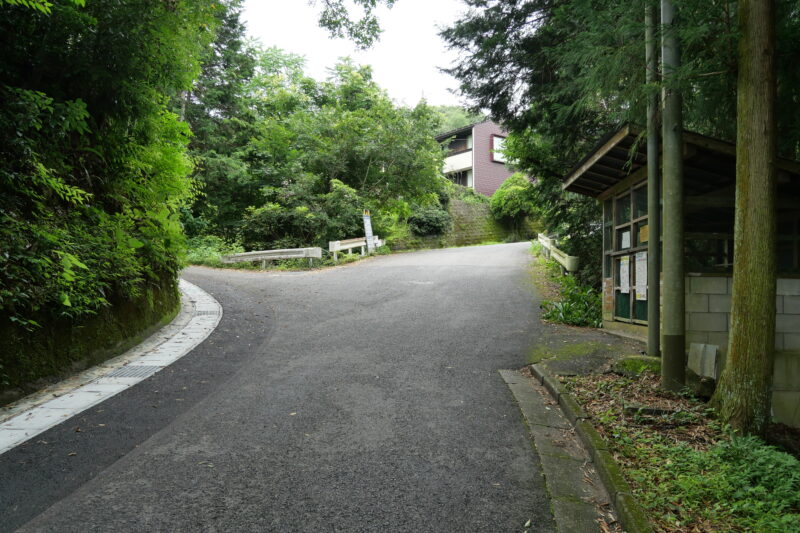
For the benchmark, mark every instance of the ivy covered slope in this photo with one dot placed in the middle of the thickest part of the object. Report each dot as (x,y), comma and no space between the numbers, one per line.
(93,170)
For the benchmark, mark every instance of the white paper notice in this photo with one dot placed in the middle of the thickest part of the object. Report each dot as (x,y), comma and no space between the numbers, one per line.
(625,274)
(626,240)
(641,276)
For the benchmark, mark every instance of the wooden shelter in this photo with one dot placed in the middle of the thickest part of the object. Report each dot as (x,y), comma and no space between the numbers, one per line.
(615,172)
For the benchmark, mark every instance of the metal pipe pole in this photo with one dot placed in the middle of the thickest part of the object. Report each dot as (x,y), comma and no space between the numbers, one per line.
(673,362)
(653,191)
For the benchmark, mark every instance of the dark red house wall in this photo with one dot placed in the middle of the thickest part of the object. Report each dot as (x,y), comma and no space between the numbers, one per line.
(488,175)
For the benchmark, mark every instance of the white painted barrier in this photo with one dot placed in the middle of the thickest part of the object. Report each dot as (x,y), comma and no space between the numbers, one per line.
(349,244)
(569,262)
(271,255)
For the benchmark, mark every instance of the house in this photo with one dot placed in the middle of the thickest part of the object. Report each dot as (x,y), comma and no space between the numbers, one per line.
(615,172)
(473,159)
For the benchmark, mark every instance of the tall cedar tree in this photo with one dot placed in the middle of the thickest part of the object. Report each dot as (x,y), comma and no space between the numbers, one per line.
(743,394)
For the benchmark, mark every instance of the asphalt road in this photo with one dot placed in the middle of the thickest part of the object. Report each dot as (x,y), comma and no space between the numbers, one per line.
(359,398)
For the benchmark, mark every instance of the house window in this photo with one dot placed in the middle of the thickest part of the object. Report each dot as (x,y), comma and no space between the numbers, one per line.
(498,144)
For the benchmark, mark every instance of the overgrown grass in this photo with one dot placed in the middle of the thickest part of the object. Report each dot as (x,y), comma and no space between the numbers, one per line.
(576,305)
(208,250)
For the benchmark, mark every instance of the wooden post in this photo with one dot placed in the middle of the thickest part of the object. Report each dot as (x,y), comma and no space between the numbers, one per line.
(653,192)
(673,373)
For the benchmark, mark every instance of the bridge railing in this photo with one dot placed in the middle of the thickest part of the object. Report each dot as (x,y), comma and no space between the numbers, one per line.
(349,244)
(569,262)
(271,255)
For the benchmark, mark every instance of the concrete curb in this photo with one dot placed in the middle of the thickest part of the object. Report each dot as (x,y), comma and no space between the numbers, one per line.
(631,514)
(199,315)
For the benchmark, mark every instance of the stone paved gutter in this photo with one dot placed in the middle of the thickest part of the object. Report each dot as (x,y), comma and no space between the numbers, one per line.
(578,499)
(631,514)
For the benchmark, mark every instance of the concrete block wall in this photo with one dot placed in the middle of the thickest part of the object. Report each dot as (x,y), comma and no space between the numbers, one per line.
(708,307)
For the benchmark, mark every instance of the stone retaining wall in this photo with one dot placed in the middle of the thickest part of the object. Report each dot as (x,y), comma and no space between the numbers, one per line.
(472,224)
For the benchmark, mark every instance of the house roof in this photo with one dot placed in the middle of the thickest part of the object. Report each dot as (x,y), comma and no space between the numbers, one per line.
(463,129)
(709,164)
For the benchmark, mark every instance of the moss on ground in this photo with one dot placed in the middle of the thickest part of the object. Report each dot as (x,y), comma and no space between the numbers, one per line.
(634,365)
(570,350)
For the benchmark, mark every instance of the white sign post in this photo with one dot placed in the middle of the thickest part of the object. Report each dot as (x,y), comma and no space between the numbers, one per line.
(368,232)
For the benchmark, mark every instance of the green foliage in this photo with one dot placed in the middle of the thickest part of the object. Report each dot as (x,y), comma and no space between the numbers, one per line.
(363,30)
(42,6)
(429,221)
(752,486)
(572,217)
(295,161)
(512,202)
(466,194)
(93,165)
(577,306)
(209,249)
(454,117)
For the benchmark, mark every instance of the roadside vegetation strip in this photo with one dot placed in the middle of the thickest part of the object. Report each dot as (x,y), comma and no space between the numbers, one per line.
(572,303)
(200,315)
(668,453)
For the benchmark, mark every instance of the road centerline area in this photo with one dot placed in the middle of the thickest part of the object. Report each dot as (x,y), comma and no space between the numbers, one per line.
(354,399)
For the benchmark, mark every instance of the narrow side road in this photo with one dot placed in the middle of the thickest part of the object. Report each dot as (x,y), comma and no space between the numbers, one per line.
(361,398)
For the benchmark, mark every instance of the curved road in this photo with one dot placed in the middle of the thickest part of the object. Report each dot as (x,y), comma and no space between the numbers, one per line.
(358,398)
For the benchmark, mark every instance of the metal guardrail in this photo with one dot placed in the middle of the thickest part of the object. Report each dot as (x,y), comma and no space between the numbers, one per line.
(349,244)
(271,255)
(569,262)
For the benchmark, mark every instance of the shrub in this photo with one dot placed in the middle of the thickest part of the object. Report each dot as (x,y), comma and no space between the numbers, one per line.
(512,203)
(208,250)
(429,221)
(578,306)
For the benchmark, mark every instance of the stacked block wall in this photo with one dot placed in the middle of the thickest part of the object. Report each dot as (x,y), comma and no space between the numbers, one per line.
(708,308)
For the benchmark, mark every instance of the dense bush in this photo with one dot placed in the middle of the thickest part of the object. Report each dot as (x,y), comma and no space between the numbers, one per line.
(296,216)
(577,305)
(93,164)
(209,249)
(512,202)
(295,161)
(429,221)
(93,170)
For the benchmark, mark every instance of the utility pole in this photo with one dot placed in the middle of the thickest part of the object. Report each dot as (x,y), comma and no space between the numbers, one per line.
(673,362)
(653,191)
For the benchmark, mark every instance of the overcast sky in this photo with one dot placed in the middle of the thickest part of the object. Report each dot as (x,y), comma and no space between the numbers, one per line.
(405,61)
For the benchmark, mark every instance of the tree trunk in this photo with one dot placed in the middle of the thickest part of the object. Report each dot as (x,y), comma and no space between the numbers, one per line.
(744,391)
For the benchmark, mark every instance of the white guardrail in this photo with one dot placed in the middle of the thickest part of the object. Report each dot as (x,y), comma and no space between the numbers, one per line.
(271,255)
(349,244)
(569,262)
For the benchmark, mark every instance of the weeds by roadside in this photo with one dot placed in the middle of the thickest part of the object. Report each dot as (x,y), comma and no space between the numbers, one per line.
(575,305)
